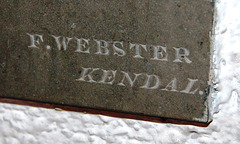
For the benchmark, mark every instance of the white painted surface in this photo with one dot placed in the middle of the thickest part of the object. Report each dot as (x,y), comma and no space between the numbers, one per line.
(27,125)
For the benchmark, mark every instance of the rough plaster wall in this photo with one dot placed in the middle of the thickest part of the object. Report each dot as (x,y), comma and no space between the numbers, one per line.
(27,125)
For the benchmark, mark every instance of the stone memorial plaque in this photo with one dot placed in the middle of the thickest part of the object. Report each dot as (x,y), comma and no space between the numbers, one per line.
(146,57)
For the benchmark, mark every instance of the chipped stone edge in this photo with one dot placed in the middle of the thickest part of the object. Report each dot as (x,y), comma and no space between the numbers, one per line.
(207,113)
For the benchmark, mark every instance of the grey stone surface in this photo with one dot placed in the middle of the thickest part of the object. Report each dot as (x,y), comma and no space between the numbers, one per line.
(49,47)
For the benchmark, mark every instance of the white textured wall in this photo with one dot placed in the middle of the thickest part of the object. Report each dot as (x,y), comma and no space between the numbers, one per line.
(27,125)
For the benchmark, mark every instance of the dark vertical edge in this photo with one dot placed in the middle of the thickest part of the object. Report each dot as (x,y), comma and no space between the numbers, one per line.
(212,74)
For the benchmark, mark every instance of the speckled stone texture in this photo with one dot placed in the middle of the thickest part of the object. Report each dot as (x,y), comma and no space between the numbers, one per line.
(163,46)
(29,125)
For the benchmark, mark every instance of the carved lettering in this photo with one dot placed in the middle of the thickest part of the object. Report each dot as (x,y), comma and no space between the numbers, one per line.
(172,86)
(190,86)
(151,79)
(35,40)
(138,51)
(82,45)
(152,82)
(126,76)
(63,44)
(160,53)
(118,51)
(102,47)
(85,73)
(182,54)
(108,77)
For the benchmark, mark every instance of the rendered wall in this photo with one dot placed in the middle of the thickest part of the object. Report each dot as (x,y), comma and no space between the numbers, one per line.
(27,125)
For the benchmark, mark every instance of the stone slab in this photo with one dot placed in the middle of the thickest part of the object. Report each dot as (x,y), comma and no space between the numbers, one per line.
(132,56)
